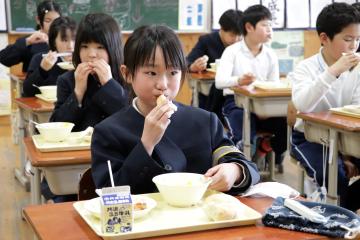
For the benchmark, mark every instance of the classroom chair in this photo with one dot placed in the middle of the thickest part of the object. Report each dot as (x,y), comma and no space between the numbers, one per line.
(266,164)
(86,186)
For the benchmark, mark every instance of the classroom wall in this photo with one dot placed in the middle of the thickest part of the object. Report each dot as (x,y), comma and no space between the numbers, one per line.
(311,46)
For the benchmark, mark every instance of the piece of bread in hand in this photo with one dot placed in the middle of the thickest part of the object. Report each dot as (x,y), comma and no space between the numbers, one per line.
(162,100)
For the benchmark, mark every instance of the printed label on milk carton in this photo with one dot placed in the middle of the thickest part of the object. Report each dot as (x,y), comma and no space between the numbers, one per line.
(116,210)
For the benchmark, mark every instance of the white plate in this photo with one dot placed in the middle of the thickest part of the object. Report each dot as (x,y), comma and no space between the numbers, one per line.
(93,206)
(46,99)
(66,65)
(352,108)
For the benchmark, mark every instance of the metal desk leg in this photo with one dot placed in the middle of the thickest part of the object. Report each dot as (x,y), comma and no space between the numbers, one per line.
(194,85)
(35,186)
(20,172)
(246,128)
(332,197)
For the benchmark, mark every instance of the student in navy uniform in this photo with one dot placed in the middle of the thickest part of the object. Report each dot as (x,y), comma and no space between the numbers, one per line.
(209,48)
(145,139)
(26,47)
(95,90)
(44,71)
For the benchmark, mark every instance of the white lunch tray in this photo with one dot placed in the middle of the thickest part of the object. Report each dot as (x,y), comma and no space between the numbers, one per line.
(44,146)
(165,220)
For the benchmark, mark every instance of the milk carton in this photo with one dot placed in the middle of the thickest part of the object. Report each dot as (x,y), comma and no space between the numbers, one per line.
(116,210)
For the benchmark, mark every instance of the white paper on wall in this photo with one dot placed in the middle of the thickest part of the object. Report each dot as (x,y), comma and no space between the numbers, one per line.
(315,8)
(277,9)
(193,15)
(244,4)
(218,8)
(297,14)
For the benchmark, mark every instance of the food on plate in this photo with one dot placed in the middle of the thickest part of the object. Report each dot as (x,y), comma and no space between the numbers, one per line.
(66,65)
(220,207)
(138,206)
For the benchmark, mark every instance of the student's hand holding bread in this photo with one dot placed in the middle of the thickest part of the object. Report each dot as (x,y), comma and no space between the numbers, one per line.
(344,63)
(102,70)
(199,64)
(224,176)
(49,60)
(246,79)
(81,76)
(156,123)
(37,37)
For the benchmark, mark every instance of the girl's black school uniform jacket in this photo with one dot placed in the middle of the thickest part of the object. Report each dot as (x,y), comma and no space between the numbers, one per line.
(98,103)
(187,146)
(19,52)
(38,76)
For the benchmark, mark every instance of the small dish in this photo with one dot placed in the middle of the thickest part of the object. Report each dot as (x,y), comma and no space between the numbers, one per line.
(66,65)
(93,206)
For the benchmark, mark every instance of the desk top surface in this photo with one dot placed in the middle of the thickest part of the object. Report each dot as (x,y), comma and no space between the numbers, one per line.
(51,159)
(205,75)
(61,221)
(333,120)
(256,92)
(34,104)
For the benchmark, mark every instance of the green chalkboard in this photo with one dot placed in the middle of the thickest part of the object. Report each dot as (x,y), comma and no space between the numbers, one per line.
(128,13)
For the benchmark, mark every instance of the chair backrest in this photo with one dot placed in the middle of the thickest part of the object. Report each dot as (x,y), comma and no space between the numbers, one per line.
(86,186)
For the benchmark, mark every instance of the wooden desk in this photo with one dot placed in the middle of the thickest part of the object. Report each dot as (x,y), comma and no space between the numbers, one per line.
(50,160)
(61,221)
(30,109)
(200,82)
(339,133)
(264,103)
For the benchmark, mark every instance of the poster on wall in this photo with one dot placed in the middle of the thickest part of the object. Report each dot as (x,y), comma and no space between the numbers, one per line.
(3,25)
(193,15)
(244,4)
(289,48)
(277,9)
(218,8)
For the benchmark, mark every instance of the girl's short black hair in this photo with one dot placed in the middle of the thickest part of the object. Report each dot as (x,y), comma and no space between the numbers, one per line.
(44,7)
(141,46)
(102,29)
(335,17)
(61,25)
(255,14)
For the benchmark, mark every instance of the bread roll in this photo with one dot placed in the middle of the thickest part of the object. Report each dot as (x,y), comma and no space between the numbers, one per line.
(220,207)
(161,100)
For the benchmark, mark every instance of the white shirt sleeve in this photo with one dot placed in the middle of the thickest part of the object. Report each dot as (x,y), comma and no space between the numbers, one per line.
(309,86)
(224,71)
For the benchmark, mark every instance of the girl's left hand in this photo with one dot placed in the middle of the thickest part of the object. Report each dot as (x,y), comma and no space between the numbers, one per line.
(224,176)
(102,70)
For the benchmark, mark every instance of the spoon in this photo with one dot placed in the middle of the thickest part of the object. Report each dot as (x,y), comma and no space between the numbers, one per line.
(33,122)
(34,85)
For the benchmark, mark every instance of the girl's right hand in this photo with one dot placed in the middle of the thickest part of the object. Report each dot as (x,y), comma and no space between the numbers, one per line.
(344,63)
(156,122)
(81,76)
(48,61)
(37,37)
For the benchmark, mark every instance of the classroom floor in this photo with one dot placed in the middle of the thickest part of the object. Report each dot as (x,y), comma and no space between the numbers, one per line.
(14,197)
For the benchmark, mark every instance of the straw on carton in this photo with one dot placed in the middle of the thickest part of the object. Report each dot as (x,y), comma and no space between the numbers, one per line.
(111,175)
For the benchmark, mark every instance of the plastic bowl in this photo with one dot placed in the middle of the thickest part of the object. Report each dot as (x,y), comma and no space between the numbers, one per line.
(55,131)
(182,189)
(48,91)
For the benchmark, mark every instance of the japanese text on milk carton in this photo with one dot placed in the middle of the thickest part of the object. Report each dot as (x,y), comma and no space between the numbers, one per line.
(116,210)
